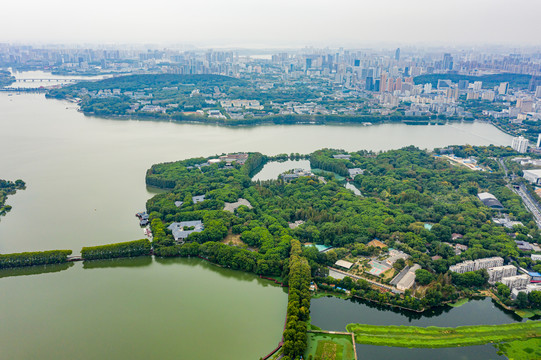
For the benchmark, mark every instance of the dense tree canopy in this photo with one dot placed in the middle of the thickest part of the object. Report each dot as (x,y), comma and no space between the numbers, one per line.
(413,200)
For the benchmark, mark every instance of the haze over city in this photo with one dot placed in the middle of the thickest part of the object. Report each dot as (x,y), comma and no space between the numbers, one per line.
(280,23)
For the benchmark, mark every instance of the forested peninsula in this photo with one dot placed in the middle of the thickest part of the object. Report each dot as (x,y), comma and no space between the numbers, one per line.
(6,79)
(8,188)
(224,100)
(413,201)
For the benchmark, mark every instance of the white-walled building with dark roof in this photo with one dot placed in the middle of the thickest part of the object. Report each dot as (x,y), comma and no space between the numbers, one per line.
(180,229)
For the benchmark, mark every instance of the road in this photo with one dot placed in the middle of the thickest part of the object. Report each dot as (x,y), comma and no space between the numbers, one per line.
(531,204)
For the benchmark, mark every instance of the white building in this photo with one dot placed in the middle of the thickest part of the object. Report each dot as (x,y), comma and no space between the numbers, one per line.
(488,262)
(409,279)
(528,289)
(478,264)
(503,88)
(532,176)
(496,274)
(520,144)
(517,281)
(463,267)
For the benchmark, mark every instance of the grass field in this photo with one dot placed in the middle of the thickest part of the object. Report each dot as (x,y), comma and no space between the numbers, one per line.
(323,346)
(526,314)
(522,350)
(437,337)
(459,303)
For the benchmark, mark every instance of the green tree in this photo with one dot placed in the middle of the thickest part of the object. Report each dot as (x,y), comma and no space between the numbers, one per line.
(522,300)
(423,277)
(535,298)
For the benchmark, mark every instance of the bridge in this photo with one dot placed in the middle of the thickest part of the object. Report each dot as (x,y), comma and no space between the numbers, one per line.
(28,89)
(49,80)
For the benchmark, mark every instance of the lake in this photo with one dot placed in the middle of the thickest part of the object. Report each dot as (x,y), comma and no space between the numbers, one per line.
(139,309)
(85,181)
(332,313)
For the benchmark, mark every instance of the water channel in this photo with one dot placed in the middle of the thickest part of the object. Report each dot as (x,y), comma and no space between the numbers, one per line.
(85,181)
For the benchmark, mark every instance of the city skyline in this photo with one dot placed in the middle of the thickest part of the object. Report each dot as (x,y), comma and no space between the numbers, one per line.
(240,23)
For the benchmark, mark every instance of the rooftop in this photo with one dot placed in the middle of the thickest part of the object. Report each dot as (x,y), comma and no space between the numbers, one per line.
(198,198)
(343,263)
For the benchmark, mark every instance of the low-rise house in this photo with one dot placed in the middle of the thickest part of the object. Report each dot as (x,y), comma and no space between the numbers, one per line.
(355,171)
(342,156)
(523,245)
(231,207)
(295,224)
(239,157)
(198,199)
(181,230)
(295,174)
(394,255)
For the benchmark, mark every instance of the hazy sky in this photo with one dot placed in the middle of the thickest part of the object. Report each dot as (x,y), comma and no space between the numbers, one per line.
(273,23)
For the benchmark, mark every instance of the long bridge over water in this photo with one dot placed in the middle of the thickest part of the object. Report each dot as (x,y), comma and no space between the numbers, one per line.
(48,80)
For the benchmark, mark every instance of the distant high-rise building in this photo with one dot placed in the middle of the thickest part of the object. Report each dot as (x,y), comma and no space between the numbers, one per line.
(377,83)
(477,85)
(503,88)
(383,83)
(538,92)
(463,84)
(488,95)
(369,83)
(538,141)
(447,61)
(357,63)
(407,71)
(397,54)
(520,144)
(308,63)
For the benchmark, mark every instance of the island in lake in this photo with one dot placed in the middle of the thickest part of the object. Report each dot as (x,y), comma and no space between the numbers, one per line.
(8,187)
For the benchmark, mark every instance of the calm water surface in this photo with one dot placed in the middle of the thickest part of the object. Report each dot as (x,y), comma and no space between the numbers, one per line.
(139,309)
(85,179)
(334,314)
(273,169)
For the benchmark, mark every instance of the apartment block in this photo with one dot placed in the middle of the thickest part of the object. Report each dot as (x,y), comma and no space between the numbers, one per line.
(496,274)
(516,282)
